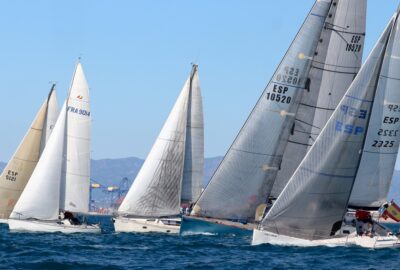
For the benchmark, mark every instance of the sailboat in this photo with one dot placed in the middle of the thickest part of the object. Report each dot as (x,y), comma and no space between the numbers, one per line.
(319,66)
(59,185)
(311,208)
(173,170)
(21,165)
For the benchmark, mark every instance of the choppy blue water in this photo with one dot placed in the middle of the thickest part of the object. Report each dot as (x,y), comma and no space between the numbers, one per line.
(112,250)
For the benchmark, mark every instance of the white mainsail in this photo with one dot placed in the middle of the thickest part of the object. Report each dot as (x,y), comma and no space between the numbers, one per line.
(75,183)
(336,63)
(249,168)
(194,146)
(314,201)
(21,165)
(41,196)
(156,191)
(52,112)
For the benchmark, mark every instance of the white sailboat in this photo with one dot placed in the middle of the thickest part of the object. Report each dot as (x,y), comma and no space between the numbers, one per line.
(21,165)
(172,172)
(325,57)
(59,184)
(310,210)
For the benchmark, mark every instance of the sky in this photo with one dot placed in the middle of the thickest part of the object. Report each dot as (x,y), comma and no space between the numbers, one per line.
(137,55)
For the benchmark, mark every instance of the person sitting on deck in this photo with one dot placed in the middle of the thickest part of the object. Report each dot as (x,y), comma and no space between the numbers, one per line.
(74,221)
(370,229)
(362,220)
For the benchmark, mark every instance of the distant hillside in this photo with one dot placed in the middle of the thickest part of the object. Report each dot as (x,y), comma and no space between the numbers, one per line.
(110,172)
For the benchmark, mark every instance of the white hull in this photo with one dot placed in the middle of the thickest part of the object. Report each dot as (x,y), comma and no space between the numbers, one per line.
(147,225)
(376,242)
(3,221)
(19,225)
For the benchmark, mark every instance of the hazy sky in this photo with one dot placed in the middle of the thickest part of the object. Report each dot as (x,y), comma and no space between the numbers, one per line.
(137,54)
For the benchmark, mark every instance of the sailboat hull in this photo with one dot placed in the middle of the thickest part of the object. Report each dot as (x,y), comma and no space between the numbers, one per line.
(19,225)
(376,242)
(147,225)
(3,221)
(200,225)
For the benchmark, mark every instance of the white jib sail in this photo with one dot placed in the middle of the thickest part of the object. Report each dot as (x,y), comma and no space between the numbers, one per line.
(76,170)
(41,196)
(156,191)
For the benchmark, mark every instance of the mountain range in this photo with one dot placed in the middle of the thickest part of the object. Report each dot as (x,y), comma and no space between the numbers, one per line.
(116,175)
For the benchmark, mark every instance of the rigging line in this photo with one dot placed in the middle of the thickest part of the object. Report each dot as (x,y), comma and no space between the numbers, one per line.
(317,107)
(342,31)
(299,143)
(305,132)
(304,122)
(335,71)
(255,153)
(390,78)
(332,65)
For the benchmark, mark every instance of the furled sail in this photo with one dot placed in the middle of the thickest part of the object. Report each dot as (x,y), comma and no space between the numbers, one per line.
(156,191)
(21,165)
(379,155)
(41,196)
(51,117)
(249,167)
(330,76)
(314,201)
(194,145)
(76,168)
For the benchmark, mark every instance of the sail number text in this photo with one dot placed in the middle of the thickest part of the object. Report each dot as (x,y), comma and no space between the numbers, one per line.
(11,175)
(354,45)
(78,111)
(278,94)
(290,75)
(354,113)
(383,143)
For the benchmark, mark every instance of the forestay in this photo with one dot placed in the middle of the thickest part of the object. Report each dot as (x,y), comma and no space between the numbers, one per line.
(194,145)
(76,168)
(248,169)
(41,196)
(156,191)
(379,155)
(330,76)
(313,203)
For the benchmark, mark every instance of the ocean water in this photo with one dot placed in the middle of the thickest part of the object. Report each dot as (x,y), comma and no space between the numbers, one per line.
(111,250)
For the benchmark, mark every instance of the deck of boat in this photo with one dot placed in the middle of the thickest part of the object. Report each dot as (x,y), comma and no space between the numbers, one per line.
(238,225)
